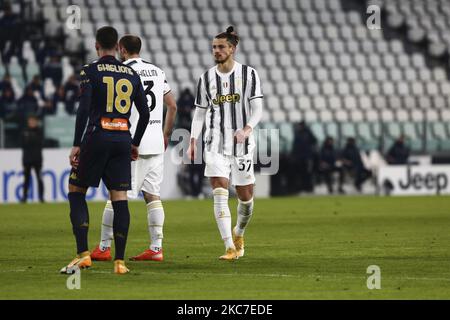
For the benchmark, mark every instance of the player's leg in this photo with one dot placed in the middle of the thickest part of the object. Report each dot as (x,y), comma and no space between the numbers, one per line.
(243,177)
(223,215)
(93,158)
(121,225)
(218,168)
(152,171)
(155,220)
(102,252)
(117,178)
(79,217)
(244,215)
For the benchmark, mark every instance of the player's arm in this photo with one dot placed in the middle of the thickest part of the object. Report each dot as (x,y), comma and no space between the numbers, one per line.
(140,102)
(171,105)
(201,105)
(82,115)
(256,114)
(255,109)
(196,129)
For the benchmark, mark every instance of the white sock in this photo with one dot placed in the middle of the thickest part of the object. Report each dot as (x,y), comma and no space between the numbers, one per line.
(245,211)
(223,216)
(107,227)
(155,218)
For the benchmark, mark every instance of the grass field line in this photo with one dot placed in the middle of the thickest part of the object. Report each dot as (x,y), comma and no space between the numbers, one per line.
(262,275)
(279,275)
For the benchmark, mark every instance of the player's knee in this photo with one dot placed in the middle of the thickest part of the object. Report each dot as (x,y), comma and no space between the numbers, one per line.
(150,197)
(219,183)
(74,188)
(245,197)
(117,195)
(245,193)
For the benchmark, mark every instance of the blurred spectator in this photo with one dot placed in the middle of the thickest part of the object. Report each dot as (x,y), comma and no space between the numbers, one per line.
(399,152)
(328,165)
(38,88)
(32,143)
(28,104)
(353,163)
(71,94)
(185,105)
(10,35)
(58,99)
(47,48)
(303,156)
(44,104)
(53,69)
(6,83)
(8,104)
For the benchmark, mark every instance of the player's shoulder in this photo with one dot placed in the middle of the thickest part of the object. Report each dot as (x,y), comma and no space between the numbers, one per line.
(249,68)
(87,67)
(140,63)
(209,72)
(86,71)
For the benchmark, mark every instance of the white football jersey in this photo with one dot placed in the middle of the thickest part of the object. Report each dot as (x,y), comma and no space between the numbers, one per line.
(227,98)
(155,85)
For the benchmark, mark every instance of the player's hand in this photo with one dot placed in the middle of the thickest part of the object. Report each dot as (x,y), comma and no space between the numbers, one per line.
(192,150)
(74,157)
(241,134)
(134,152)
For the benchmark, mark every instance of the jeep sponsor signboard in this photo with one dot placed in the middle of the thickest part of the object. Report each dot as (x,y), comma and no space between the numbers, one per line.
(414,180)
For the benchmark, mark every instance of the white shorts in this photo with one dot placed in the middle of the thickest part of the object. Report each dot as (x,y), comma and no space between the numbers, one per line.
(241,168)
(146,175)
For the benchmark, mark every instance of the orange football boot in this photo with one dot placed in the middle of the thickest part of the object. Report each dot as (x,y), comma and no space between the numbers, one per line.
(119,267)
(81,261)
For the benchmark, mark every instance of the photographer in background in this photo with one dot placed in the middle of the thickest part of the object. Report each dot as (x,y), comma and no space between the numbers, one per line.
(32,143)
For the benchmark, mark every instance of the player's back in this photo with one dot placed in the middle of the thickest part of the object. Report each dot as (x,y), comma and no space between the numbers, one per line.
(155,86)
(114,87)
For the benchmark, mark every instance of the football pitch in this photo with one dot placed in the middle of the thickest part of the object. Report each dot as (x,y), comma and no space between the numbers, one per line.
(296,248)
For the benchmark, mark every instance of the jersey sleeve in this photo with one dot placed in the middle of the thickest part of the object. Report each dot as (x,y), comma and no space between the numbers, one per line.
(255,86)
(140,101)
(166,88)
(201,100)
(83,108)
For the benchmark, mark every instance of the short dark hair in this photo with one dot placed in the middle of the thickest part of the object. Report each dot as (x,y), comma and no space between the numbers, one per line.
(107,37)
(230,35)
(131,43)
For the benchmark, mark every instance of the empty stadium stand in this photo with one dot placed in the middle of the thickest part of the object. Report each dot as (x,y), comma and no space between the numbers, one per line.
(317,60)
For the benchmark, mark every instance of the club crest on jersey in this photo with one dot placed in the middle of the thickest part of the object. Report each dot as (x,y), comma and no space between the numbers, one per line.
(234,98)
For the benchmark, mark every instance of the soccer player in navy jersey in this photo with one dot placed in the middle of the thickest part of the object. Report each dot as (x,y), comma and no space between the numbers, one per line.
(104,152)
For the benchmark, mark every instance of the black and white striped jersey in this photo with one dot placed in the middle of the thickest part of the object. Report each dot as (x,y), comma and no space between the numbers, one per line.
(227,100)
(154,82)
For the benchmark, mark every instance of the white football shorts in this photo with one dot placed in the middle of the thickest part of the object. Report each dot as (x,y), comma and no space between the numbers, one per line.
(240,168)
(146,175)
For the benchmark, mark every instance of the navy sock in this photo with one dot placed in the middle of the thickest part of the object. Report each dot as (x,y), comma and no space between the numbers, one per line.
(79,216)
(121,224)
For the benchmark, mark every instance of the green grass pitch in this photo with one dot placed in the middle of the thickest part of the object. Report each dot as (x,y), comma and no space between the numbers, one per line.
(296,248)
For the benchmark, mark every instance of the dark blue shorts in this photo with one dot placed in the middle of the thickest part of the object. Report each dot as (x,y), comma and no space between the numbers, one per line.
(103,159)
